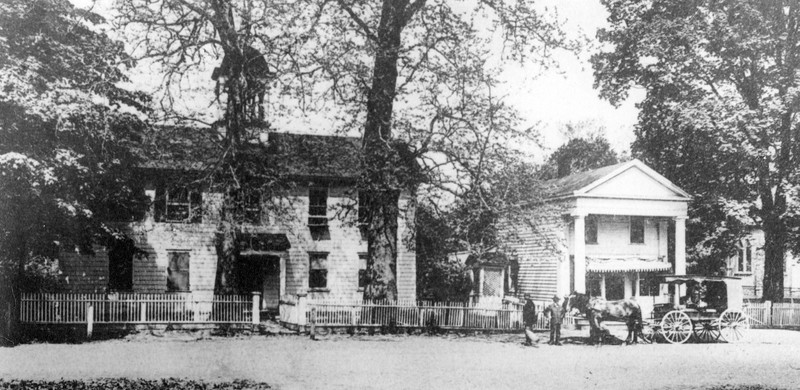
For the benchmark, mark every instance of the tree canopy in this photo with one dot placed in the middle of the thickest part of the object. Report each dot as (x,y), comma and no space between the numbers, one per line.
(720,113)
(68,137)
(416,73)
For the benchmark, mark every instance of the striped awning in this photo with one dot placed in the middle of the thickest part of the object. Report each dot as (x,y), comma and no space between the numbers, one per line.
(618,264)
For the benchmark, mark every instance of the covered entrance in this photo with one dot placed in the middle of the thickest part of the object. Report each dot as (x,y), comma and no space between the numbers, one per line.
(261,266)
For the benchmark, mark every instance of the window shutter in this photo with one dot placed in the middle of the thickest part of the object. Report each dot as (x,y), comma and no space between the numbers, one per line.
(160,203)
(196,204)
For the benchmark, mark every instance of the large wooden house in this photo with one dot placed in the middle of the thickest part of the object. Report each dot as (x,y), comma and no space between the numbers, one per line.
(313,244)
(607,232)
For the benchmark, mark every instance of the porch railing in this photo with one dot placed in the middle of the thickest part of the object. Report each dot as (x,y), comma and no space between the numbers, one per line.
(137,308)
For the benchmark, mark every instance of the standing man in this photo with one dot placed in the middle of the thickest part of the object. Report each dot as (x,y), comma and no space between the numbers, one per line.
(529,320)
(555,313)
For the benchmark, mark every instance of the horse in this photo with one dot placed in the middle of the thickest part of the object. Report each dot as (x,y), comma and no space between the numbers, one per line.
(598,309)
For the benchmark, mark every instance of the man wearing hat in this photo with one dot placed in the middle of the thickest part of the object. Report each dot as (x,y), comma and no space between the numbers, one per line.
(555,313)
(529,320)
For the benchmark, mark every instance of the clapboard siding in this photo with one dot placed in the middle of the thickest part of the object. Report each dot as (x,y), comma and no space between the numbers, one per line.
(538,241)
(89,273)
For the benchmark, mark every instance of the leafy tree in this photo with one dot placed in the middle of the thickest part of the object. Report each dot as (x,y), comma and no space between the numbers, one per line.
(66,141)
(580,155)
(439,277)
(721,82)
(414,78)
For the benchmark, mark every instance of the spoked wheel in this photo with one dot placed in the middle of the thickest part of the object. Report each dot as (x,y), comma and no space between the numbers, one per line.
(649,332)
(676,327)
(706,332)
(733,326)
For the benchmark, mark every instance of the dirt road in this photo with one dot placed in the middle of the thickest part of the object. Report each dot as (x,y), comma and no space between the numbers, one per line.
(769,357)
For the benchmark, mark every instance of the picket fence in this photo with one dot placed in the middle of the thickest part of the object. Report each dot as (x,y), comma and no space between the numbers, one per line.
(773,315)
(300,311)
(137,308)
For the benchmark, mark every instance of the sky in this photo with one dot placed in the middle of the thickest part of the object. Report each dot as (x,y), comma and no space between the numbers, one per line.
(547,99)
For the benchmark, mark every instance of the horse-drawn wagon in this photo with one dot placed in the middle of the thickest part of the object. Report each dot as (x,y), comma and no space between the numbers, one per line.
(710,310)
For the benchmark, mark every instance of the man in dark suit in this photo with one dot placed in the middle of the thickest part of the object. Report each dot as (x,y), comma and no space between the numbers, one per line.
(529,320)
(555,313)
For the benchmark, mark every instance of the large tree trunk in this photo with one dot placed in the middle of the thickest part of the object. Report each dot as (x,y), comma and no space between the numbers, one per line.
(381,159)
(774,263)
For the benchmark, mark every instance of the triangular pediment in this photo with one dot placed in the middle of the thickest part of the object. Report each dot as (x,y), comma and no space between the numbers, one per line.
(634,180)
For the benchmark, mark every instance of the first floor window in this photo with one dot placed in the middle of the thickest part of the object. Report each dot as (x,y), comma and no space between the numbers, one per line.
(744,263)
(120,265)
(318,270)
(178,271)
(362,270)
(649,286)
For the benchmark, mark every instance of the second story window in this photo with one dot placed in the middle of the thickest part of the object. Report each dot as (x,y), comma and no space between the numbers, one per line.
(590,230)
(178,204)
(744,262)
(637,230)
(250,207)
(363,207)
(317,206)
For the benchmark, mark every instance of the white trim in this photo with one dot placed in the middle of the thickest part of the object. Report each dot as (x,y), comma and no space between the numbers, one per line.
(630,164)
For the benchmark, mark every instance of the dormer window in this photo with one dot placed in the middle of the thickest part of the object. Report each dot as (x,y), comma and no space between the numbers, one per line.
(178,204)
(317,206)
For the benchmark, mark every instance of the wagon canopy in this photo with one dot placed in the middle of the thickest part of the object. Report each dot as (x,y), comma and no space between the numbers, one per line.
(733,286)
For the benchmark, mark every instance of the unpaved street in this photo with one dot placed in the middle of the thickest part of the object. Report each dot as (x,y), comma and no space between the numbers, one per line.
(769,357)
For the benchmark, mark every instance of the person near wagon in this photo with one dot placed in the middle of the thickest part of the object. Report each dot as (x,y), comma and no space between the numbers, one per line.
(529,320)
(555,313)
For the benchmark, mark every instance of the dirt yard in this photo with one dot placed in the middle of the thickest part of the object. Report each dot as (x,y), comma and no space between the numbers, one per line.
(768,357)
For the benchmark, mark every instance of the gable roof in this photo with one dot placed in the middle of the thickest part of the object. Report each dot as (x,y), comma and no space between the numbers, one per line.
(582,183)
(302,155)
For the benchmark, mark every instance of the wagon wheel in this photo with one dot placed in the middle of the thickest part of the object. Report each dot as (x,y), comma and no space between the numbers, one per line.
(733,325)
(676,327)
(649,332)
(706,332)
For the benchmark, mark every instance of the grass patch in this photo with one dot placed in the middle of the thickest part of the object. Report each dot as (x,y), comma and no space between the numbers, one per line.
(131,384)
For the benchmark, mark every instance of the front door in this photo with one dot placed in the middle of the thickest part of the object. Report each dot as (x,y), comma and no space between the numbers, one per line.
(271,289)
(261,273)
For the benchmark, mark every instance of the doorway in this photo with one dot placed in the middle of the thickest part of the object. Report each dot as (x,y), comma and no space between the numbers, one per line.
(261,273)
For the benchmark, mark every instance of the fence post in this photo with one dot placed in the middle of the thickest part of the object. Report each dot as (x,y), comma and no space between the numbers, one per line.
(256,307)
(301,309)
(768,312)
(89,320)
(313,322)
(143,312)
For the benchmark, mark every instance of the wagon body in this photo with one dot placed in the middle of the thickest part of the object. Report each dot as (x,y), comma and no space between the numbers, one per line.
(710,310)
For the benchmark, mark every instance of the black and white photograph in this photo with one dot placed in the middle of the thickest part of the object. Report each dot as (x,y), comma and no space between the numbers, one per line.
(400,194)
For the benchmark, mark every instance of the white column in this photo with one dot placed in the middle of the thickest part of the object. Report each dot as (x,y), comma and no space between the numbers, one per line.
(628,286)
(579,247)
(282,265)
(603,286)
(636,287)
(680,245)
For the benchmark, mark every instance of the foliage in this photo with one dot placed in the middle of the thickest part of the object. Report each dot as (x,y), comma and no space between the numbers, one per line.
(67,137)
(419,72)
(131,384)
(579,155)
(721,82)
(439,277)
